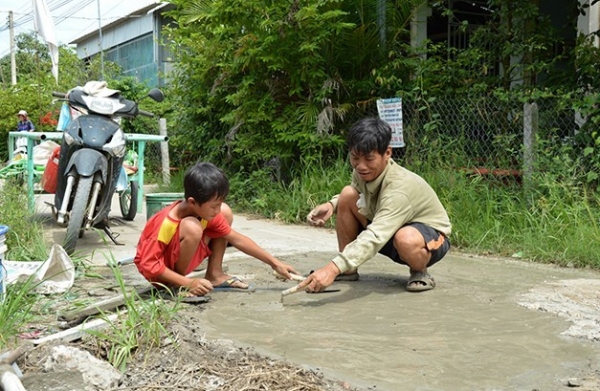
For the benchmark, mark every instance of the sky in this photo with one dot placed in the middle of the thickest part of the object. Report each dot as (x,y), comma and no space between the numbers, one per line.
(72,18)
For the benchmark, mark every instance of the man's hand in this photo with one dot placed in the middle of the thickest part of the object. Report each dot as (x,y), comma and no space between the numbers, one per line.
(320,279)
(320,214)
(199,286)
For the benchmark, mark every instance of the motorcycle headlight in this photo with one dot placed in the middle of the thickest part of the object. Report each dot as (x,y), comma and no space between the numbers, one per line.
(116,146)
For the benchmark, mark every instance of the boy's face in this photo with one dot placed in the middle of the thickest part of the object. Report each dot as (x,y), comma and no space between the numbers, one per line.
(209,209)
(369,166)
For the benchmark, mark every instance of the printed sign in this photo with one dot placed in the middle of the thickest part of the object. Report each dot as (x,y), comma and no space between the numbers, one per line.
(390,110)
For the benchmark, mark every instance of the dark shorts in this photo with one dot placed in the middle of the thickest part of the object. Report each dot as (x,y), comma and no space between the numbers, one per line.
(436,242)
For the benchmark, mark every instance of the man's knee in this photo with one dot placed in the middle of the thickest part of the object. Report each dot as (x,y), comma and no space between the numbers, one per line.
(348,197)
(408,240)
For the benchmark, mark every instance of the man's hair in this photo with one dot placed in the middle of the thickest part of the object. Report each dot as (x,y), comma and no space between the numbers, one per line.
(205,181)
(369,135)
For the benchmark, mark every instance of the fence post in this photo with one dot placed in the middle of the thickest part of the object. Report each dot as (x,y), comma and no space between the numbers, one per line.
(164,152)
(530,129)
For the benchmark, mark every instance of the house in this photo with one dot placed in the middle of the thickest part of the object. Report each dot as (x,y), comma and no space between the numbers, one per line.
(133,42)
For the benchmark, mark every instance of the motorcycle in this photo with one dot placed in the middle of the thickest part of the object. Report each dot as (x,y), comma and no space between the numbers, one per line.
(91,158)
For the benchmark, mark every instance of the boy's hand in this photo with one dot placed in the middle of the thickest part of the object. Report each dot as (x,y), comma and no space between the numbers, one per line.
(320,214)
(284,269)
(200,286)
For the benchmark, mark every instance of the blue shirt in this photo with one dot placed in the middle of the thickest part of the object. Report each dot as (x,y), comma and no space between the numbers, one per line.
(25,126)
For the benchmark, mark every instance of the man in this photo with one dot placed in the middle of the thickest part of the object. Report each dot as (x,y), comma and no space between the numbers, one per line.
(386,209)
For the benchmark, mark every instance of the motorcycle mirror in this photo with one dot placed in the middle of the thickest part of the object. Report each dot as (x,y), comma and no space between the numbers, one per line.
(156,95)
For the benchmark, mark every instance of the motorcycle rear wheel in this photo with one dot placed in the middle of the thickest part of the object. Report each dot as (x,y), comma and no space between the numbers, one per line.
(128,201)
(77,214)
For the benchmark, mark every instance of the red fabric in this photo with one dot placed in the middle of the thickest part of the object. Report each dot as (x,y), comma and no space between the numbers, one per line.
(158,250)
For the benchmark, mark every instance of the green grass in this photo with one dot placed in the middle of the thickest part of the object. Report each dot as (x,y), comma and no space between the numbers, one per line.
(16,310)
(142,324)
(25,238)
(555,221)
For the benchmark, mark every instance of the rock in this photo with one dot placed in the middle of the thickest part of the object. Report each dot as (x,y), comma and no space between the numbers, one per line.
(97,373)
(573,382)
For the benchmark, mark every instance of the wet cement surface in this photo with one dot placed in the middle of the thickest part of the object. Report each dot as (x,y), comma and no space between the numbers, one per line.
(469,333)
(490,324)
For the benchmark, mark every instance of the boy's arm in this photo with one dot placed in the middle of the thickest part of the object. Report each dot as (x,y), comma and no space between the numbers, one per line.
(248,246)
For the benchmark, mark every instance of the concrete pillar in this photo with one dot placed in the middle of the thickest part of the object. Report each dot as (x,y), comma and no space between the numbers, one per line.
(418,27)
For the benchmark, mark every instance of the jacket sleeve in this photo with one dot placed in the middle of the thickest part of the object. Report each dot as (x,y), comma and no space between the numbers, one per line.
(393,212)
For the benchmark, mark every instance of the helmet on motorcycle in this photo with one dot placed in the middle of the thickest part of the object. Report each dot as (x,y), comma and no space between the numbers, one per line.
(23,113)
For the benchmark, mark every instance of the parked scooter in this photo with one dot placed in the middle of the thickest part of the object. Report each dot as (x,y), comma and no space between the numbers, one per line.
(91,158)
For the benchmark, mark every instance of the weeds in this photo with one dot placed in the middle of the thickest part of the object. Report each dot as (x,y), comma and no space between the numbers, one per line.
(16,309)
(25,239)
(142,324)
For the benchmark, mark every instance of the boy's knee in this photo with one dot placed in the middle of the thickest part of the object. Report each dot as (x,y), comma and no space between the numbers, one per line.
(227,213)
(190,227)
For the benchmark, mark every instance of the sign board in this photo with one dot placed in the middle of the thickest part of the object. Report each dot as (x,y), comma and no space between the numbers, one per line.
(390,110)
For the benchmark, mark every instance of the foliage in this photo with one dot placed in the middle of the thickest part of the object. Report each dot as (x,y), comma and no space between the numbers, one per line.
(261,80)
(25,238)
(15,310)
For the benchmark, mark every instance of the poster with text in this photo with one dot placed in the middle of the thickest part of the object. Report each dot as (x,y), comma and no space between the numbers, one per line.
(390,110)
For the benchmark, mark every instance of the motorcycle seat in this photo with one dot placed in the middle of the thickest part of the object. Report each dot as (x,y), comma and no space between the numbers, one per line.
(129,107)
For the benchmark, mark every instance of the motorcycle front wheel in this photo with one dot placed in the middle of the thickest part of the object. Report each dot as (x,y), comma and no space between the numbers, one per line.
(77,214)
(128,201)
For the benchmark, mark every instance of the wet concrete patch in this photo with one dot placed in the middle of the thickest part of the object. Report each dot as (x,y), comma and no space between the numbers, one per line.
(469,333)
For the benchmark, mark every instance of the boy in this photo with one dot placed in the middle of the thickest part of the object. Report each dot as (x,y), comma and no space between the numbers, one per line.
(386,209)
(179,237)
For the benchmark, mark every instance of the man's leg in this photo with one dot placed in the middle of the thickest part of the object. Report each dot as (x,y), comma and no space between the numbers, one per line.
(349,223)
(214,269)
(417,247)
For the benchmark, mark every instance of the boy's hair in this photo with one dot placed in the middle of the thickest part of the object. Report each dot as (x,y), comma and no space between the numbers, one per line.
(205,181)
(369,135)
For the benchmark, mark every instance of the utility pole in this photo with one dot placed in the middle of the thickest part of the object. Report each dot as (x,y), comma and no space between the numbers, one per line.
(101,43)
(13,61)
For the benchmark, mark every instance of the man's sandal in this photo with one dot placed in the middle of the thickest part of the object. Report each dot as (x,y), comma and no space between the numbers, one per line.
(419,282)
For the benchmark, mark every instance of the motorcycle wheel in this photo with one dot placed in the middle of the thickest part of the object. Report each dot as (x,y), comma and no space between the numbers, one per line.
(128,201)
(77,214)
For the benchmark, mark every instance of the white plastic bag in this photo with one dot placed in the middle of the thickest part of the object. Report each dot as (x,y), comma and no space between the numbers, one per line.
(54,275)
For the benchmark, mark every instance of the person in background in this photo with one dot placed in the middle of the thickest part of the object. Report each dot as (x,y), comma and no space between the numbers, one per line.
(24,124)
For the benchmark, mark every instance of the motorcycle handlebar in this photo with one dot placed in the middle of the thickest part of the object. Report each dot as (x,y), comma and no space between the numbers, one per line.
(59,94)
(145,113)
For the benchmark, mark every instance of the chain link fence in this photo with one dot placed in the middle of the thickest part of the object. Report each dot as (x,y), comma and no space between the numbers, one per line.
(481,135)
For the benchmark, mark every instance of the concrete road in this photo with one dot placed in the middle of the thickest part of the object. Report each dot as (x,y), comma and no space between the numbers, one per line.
(491,324)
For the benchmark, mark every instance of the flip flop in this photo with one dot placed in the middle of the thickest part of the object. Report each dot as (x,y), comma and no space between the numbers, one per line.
(419,282)
(227,286)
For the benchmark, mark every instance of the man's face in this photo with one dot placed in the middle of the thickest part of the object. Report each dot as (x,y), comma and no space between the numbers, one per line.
(369,166)
(209,209)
